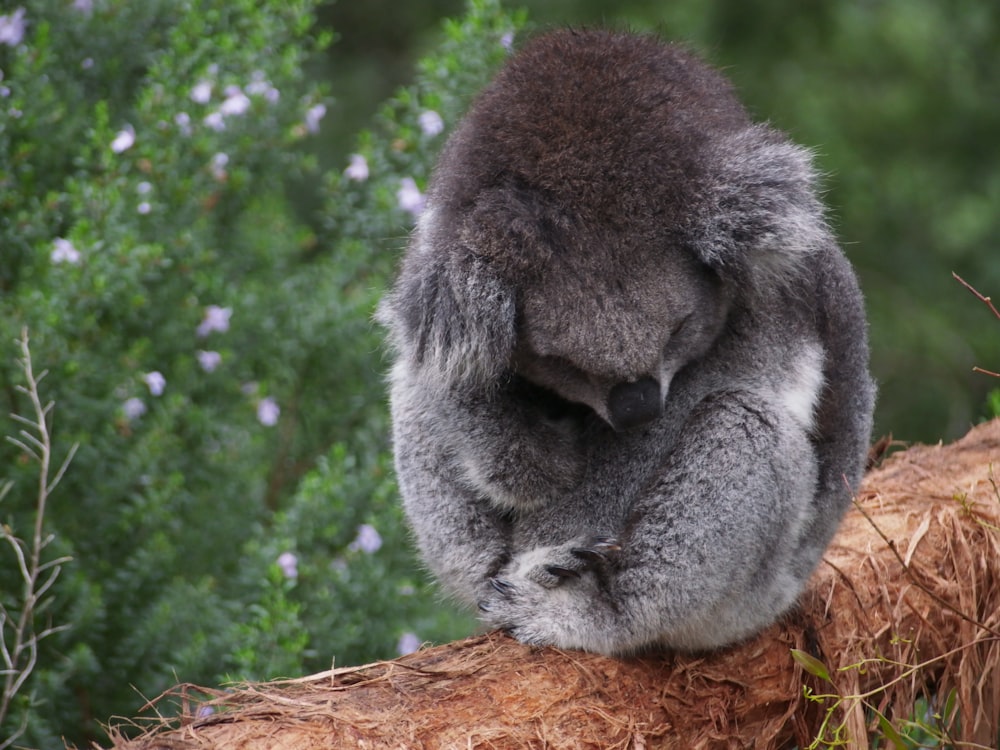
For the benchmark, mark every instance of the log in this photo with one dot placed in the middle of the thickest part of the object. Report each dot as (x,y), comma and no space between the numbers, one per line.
(906,603)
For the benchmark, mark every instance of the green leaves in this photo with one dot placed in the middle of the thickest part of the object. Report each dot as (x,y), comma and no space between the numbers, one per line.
(811,664)
(145,184)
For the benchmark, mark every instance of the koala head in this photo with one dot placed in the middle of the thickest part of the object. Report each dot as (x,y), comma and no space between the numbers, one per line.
(602,317)
(592,219)
(614,341)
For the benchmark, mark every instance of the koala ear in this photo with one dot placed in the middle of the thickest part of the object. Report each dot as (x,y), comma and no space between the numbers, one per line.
(760,218)
(448,311)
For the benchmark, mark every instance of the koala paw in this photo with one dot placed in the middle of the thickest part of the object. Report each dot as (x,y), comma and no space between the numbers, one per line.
(552,566)
(549,595)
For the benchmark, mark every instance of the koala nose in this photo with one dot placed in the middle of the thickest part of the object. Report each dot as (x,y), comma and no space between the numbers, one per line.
(634,404)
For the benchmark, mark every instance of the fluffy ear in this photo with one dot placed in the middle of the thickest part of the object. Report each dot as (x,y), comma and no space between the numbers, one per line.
(760,217)
(449,312)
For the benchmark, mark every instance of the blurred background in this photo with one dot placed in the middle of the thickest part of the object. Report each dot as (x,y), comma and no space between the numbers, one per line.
(201,202)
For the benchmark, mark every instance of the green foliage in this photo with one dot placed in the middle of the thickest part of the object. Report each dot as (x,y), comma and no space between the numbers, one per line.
(343,573)
(210,349)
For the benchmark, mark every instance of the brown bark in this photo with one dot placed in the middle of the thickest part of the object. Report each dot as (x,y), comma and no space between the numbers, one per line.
(913,577)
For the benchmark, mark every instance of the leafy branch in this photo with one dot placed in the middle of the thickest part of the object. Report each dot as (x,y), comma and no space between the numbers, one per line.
(19,637)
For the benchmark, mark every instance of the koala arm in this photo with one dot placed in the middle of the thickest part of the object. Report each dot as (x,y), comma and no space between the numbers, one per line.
(707,553)
(733,499)
(463,539)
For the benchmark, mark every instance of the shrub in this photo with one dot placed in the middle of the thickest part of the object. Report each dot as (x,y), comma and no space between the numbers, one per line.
(209,343)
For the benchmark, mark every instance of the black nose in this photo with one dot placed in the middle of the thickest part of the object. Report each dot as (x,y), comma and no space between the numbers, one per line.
(634,404)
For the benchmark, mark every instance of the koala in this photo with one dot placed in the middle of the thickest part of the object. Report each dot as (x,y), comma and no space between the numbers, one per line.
(630,392)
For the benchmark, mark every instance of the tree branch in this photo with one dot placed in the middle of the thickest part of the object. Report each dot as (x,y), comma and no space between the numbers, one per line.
(879,640)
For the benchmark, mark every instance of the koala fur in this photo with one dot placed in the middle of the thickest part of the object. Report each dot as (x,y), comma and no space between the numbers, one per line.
(631,396)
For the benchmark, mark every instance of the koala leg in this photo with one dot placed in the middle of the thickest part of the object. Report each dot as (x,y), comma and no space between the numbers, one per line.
(703,559)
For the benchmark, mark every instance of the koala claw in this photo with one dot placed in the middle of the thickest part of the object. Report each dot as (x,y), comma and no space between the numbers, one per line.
(601,549)
(501,586)
(608,543)
(560,572)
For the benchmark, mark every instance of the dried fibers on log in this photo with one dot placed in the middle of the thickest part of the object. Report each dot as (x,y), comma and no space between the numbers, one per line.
(906,603)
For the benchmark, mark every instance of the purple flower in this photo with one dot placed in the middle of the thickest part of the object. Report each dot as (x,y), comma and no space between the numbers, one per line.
(209,360)
(133,408)
(12,28)
(201,93)
(358,168)
(289,565)
(219,162)
(313,115)
(84,6)
(407,644)
(236,102)
(409,197)
(216,319)
(215,121)
(507,41)
(155,382)
(144,188)
(124,140)
(183,121)
(258,82)
(368,540)
(260,86)
(268,412)
(64,252)
(431,123)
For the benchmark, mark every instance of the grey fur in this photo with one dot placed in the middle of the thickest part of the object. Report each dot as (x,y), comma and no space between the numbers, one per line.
(611,242)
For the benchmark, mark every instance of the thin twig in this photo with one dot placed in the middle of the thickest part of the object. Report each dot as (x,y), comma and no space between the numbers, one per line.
(989,303)
(981,297)
(37,577)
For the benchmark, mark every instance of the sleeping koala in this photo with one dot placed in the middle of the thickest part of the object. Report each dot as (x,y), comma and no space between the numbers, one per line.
(631,396)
